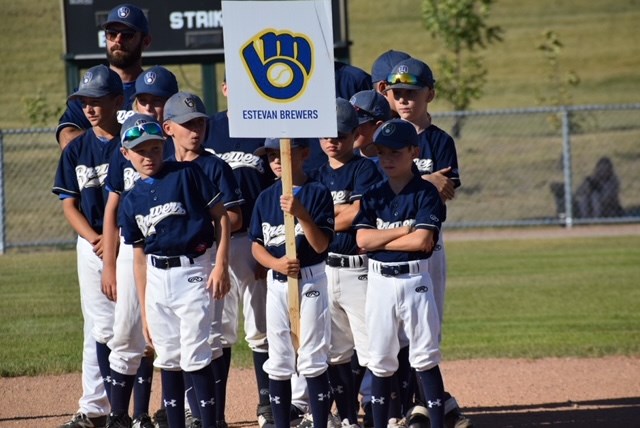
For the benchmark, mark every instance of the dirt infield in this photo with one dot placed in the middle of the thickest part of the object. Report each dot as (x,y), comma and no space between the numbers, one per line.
(495,393)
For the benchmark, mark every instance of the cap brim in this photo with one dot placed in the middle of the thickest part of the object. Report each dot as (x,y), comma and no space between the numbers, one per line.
(394,145)
(404,86)
(187,117)
(128,24)
(145,137)
(91,93)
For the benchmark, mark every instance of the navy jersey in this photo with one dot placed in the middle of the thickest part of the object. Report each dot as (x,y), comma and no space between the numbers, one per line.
(437,151)
(347,184)
(81,174)
(316,158)
(121,177)
(350,80)
(74,116)
(418,205)
(267,220)
(221,175)
(169,212)
(252,172)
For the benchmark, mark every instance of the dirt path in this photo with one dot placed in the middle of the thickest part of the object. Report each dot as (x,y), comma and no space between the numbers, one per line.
(495,393)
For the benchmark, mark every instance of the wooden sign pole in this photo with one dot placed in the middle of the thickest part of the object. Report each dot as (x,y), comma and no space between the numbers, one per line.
(290,235)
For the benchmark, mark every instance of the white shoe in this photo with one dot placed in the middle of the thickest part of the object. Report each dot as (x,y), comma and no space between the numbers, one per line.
(396,423)
(345,424)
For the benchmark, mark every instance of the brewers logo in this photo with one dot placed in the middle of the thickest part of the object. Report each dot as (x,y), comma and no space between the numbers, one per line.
(280,64)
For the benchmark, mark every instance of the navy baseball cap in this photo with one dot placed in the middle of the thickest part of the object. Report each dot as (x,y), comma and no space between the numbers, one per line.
(347,118)
(97,82)
(181,107)
(370,106)
(274,143)
(410,73)
(383,65)
(157,81)
(139,128)
(130,15)
(396,134)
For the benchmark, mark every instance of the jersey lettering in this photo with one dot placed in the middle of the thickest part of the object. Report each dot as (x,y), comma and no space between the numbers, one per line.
(425,166)
(242,160)
(124,114)
(88,176)
(130,177)
(381,224)
(147,223)
(274,236)
(340,196)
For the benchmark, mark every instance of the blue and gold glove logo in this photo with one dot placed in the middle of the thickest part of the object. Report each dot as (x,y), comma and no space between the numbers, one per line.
(280,64)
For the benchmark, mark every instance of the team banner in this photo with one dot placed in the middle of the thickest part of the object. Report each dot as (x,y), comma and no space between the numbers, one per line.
(279,68)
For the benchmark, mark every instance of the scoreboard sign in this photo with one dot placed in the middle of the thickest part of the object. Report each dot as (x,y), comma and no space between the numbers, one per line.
(183,31)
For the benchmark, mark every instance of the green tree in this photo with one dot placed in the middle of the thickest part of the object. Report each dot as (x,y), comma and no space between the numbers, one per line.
(462,27)
(558,83)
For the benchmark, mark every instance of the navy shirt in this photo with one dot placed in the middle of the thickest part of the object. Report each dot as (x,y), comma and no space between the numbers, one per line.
(81,174)
(418,204)
(252,172)
(267,221)
(221,175)
(347,184)
(169,212)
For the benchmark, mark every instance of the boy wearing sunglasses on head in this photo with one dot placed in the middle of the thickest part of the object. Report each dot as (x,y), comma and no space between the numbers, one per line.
(79,183)
(412,87)
(172,217)
(131,358)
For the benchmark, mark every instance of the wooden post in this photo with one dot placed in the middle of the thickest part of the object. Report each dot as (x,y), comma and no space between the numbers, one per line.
(290,235)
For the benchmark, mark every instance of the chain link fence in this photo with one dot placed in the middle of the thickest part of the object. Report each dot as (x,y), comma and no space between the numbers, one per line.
(526,167)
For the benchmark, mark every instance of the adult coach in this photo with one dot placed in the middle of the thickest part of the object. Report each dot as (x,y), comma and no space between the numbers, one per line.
(127,35)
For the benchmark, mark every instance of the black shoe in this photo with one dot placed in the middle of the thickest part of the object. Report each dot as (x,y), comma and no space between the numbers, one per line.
(121,420)
(265,416)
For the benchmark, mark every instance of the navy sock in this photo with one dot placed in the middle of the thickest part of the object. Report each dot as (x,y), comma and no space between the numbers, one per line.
(319,398)
(121,387)
(358,372)
(262,378)
(191,396)
(341,379)
(142,387)
(103,351)
(220,378)
(380,394)
(404,386)
(280,397)
(173,397)
(204,386)
(431,381)
(394,398)
(226,355)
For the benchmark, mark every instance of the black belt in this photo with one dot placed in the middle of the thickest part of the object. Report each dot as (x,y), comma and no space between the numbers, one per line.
(345,261)
(277,276)
(167,262)
(394,270)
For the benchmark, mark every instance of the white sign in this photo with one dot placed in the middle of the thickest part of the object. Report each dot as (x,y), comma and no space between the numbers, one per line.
(279,68)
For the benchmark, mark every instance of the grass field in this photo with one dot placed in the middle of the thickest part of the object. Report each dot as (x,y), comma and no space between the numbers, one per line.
(521,298)
(600,39)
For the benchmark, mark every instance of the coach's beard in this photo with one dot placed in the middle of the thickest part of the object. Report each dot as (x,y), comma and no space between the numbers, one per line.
(124,59)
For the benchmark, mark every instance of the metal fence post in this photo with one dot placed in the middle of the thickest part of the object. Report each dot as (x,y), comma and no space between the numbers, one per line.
(2,200)
(566,167)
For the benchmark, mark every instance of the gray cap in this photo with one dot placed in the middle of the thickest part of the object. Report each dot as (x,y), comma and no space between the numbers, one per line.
(139,128)
(347,117)
(97,82)
(274,143)
(181,107)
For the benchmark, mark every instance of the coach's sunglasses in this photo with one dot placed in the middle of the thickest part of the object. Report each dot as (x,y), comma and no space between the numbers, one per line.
(150,128)
(126,35)
(409,79)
